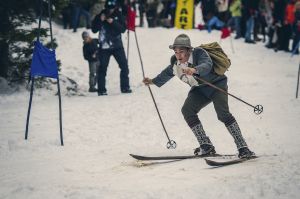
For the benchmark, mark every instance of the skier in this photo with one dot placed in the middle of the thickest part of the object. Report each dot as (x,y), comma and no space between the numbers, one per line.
(186,63)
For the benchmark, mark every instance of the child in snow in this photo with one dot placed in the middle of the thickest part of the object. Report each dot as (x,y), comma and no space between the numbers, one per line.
(90,53)
(186,63)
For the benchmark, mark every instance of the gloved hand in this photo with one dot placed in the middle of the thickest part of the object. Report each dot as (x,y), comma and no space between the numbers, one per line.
(147,81)
(189,71)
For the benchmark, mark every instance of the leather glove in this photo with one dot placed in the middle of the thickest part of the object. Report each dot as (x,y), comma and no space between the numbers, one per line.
(147,81)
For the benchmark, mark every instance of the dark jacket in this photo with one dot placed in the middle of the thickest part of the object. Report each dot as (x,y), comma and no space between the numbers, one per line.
(208,6)
(90,49)
(249,8)
(297,22)
(109,34)
(279,11)
(204,67)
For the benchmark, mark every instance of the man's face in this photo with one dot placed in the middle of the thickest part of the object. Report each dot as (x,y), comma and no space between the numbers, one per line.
(182,54)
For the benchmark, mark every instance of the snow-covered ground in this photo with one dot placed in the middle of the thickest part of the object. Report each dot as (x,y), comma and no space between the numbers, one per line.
(100,132)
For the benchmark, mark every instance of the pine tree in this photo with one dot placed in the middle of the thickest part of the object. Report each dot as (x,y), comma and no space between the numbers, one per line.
(16,36)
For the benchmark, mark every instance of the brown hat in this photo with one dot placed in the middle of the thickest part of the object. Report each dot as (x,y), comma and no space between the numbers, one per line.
(181,40)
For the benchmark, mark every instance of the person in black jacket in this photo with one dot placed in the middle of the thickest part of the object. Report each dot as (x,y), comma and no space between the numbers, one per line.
(110,24)
(90,53)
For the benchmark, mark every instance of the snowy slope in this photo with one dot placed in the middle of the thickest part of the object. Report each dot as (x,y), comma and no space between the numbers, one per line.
(100,132)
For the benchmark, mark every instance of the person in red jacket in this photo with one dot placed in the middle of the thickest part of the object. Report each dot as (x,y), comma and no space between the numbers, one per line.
(296,28)
(289,19)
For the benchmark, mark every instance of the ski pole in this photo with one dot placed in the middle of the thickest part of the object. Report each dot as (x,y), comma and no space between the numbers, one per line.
(171,143)
(231,42)
(258,109)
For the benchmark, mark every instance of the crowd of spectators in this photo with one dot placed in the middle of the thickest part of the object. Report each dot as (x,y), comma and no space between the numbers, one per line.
(275,22)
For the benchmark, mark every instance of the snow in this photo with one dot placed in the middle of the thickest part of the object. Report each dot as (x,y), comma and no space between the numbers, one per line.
(100,132)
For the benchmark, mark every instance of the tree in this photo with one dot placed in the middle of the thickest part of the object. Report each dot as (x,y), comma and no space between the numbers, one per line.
(16,36)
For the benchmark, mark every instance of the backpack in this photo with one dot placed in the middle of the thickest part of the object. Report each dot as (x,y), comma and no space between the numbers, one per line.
(220,60)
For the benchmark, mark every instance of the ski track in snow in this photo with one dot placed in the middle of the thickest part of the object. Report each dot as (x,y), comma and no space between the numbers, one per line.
(100,132)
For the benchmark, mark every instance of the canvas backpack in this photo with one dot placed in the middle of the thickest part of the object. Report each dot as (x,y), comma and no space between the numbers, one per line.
(221,62)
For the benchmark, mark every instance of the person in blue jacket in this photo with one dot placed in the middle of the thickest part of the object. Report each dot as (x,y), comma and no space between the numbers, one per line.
(110,24)
(185,64)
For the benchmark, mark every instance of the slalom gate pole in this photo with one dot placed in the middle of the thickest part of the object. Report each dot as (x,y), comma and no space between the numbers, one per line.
(258,109)
(127,46)
(58,86)
(171,143)
(29,107)
(298,82)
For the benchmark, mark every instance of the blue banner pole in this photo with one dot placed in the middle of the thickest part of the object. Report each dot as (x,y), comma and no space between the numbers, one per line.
(29,108)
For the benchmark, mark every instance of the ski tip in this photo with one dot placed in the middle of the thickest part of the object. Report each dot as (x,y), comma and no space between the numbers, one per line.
(216,163)
(209,162)
(136,156)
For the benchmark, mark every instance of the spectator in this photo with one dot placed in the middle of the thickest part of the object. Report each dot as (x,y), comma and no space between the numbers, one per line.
(236,13)
(279,14)
(208,8)
(97,8)
(66,16)
(296,28)
(90,53)
(151,12)
(265,15)
(214,23)
(79,9)
(222,7)
(248,14)
(142,4)
(110,24)
(289,19)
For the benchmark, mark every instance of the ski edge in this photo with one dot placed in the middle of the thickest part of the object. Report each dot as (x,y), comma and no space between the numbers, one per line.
(215,163)
(149,158)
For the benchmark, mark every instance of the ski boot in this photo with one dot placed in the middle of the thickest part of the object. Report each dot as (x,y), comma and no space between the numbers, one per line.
(205,150)
(246,153)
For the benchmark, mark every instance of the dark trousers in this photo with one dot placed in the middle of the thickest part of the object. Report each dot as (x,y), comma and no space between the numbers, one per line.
(287,34)
(151,18)
(295,42)
(76,13)
(120,57)
(196,101)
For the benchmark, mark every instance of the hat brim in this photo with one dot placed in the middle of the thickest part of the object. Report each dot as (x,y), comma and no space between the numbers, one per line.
(180,46)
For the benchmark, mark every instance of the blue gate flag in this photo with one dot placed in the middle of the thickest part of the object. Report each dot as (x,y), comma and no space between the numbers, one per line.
(43,62)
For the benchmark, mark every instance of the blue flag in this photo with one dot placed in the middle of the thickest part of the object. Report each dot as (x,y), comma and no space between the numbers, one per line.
(43,62)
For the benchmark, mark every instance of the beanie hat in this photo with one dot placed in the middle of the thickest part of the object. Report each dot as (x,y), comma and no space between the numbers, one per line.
(85,34)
